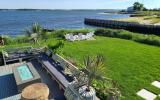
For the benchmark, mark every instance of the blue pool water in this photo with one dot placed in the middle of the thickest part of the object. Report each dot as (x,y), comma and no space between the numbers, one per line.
(24,72)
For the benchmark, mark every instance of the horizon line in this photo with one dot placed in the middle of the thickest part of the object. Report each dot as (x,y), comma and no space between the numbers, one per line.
(54,9)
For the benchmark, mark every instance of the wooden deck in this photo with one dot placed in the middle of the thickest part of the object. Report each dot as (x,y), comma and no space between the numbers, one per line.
(8,69)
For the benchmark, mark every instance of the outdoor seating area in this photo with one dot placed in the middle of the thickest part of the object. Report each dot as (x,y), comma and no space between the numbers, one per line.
(56,66)
(16,54)
(79,37)
(45,67)
(68,77)
(11,90)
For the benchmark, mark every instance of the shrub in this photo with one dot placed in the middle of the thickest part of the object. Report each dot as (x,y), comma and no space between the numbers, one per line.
(21,39)
(147,39)
(142,38)
(56,46)
(107,89)
(7,40)
(123,34)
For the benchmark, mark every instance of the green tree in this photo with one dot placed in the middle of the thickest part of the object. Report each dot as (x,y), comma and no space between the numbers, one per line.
(56,47)
(138,6)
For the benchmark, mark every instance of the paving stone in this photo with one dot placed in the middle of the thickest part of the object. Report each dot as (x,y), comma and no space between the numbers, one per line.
(146,94)
(156,84)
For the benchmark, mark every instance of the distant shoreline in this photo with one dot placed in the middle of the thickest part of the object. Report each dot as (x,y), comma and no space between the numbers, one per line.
(147,18)
(107,10)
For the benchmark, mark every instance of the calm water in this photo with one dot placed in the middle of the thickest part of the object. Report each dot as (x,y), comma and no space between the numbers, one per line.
(14,22)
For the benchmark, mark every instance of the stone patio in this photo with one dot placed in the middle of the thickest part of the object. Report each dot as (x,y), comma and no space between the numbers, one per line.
(156,84)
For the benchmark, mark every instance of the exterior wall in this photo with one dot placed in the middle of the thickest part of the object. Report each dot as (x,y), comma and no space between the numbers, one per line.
(130,9)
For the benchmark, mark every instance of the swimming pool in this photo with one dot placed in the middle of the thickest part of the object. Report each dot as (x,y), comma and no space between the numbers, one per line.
(24,72)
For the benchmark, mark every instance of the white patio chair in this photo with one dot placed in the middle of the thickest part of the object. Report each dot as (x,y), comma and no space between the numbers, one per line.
(67,36)
(76,37)
(81,36)
(72,38)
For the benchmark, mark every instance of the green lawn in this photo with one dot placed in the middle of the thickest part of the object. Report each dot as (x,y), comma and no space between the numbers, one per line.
(133,65)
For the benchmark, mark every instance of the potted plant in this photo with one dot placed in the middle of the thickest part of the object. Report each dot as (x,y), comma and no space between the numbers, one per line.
(94,69)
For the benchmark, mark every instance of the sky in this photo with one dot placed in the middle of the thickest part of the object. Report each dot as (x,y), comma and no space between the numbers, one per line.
(74,4)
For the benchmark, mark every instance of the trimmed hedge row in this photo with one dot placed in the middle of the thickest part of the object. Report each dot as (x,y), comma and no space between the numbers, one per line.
(146,39)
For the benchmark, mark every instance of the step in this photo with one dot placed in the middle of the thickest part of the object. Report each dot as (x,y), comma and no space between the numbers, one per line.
(145,94)
(156,84)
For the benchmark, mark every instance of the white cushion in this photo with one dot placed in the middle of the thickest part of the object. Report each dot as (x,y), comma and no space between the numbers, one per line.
(55,57)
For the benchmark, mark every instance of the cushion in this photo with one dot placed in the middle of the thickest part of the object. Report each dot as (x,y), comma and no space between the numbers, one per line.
(55,57)
(63,64)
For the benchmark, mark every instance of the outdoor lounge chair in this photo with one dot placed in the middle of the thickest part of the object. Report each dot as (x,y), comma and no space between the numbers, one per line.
(55,57)
(81,37)
(76,37)
(72,38)
(13,55)
(67,36)
(55,71)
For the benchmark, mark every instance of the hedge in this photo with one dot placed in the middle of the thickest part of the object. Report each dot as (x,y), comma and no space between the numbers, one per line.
(123,34)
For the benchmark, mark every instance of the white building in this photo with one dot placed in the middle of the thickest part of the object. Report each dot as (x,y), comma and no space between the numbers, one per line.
(130,9)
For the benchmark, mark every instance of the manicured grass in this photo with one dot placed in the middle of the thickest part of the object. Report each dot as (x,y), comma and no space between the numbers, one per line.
(133,65)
